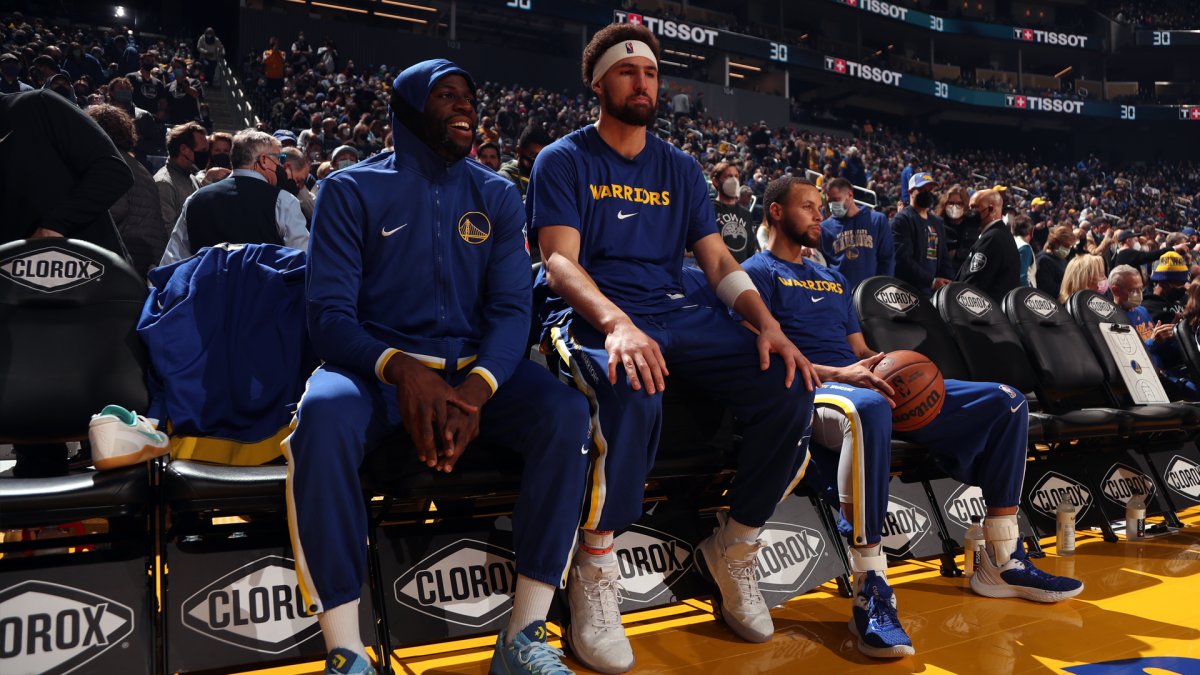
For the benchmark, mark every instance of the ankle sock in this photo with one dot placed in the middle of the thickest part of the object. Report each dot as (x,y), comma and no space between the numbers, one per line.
(531,603)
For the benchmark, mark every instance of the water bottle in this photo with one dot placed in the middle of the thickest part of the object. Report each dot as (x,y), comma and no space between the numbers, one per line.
(1064,530)
(1135,518)
(973,545)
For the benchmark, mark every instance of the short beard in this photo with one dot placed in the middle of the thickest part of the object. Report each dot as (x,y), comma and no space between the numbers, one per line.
(631,115)
(800,237)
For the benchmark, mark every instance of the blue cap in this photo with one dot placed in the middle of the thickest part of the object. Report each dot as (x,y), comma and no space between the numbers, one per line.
(920,180)
(1189,231)
(284,135)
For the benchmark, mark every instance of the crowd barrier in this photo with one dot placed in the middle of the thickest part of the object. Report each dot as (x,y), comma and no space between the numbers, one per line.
(181,566)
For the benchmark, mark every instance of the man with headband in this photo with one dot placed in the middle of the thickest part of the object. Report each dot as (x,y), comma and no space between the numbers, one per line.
(613,207)
(418,298)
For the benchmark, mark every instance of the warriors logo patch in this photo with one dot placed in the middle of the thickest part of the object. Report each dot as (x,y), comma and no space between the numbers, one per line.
(474,227)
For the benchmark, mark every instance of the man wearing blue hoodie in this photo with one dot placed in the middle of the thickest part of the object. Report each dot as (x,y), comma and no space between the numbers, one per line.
(418,295)
(855,240)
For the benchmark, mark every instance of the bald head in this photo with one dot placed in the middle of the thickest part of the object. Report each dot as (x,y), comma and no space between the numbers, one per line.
(988,204)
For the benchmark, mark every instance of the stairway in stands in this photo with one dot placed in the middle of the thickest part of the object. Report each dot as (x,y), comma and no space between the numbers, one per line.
(227,103)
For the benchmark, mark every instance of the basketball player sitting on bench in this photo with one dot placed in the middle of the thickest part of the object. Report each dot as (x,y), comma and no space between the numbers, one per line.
(978,438)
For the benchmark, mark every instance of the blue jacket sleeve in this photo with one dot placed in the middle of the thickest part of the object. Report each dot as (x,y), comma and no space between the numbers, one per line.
(885,263)
(333,279)
(508,296)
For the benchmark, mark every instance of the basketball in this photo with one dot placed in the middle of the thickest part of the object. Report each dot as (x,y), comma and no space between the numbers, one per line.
(919,388)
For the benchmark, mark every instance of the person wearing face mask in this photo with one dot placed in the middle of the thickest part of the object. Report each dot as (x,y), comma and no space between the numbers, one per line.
(10,73)
(992,264)
(61,85)
(249,207)
(1125,284)
(183,95)
(187,152)
(856,241)
(1170,276)
(293,180)
(920,238)
(1052,261)
(149,133)
(344,156)
(733,219)
(148,90)
(962,225)
(79,63)
(210,50)
(1022,231)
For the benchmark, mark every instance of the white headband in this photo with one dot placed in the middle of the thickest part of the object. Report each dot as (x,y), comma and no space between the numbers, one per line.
(619,52)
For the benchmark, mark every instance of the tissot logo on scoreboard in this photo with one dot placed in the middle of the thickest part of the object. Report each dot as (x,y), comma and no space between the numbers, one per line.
(1043,104)
(879,7)
(1189,114)
(1049,37)
(674,30)
(869,73)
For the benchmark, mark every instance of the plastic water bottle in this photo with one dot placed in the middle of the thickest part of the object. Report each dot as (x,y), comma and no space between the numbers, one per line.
(1135,518)
(973,545)
(1064,529)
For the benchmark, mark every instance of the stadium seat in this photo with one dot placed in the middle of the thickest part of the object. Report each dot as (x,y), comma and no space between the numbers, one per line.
(67,316)
(895,315)
(1186,339)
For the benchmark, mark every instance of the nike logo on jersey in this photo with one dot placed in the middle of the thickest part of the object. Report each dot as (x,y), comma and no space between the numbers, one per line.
(387,233)
(1017,407)
(623,216)
(819,299)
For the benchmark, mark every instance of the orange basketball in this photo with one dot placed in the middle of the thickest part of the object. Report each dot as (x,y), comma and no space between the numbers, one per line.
(920,390)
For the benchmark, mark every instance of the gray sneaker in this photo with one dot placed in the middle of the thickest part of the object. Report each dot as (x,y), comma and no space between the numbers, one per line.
(595,635)
(733,570)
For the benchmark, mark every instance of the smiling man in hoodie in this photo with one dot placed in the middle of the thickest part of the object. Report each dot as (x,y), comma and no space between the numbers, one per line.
(418,295)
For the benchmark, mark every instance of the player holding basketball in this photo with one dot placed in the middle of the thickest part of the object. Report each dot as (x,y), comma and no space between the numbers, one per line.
(979,437)
(613,208)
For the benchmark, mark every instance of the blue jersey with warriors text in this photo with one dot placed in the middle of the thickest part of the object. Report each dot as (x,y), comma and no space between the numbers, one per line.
(634,216)
(859,247)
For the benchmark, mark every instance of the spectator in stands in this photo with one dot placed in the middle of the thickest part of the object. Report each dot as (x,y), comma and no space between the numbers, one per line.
(529,145)
(920,238)
(220,146)
(56,81)
(760,141)
(149,93)
(80,63)
(302,52)
(149,132)
(187,147)
(489,156)
(183,95)
(136,213)
(249,207)
(855,240)
(992,264)
(126,57)
(1022,230)
(681,105)
(286,138)
(733,219)
(10,73)
(209,50)
(1084,272)
(906,178)
(297,168)
(487,130)
(852,168)
(366,303)
(1052,261)
(327,56)
(1129,251)
(962,225)
(273,67)
(1170,276)
(1126,286)
(344,156)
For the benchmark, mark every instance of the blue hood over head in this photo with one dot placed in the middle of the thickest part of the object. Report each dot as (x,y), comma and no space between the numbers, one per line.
(414,83)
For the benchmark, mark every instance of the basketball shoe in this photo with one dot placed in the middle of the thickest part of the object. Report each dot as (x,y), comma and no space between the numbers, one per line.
(120,437)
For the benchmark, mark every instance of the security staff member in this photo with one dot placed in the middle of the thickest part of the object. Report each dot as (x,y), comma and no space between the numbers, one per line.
(993,264)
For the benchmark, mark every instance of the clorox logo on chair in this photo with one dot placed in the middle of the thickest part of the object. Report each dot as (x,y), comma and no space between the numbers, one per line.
(894,297)
(1183,476)
(965,502)
(649,561)
(1055,487)
(1041,305)
(1101,307)
(256,606)
(469,583)
(50,270)
(51,628)
(903,527)
(974,302)
(788,557)
(1124,482)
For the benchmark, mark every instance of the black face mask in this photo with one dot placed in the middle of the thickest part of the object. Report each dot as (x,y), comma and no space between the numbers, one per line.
(220,160)
(923,200)
(201,158)
(283,181)
(1174,295)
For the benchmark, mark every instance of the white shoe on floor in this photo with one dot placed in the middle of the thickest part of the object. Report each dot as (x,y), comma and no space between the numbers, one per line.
(595,635)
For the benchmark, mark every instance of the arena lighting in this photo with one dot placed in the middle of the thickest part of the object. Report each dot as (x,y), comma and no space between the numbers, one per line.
(1064,71)
(422,8)
(685,54)
(738,76)
(745,65)
(120,12)
(672,63)
(344,9)
(401,18)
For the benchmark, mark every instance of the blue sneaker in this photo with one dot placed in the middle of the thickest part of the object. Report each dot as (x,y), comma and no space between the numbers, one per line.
(1018,578)
(345,662)
(528,653)
(875,622)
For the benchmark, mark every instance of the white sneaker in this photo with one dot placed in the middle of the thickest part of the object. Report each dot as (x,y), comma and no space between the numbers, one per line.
(734,570)
(595,635)
(120,437)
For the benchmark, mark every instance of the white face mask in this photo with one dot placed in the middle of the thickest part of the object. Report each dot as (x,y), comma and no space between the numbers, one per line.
(345,163)
(1135,299)
(954,211)
(837,209)
(729,187)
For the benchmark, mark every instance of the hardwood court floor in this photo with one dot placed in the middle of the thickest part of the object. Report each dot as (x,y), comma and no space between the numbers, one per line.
(1141,601)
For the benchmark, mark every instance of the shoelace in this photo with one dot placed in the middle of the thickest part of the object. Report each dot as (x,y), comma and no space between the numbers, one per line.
(882,612)
(1028,567)
(542,658)
(743,572)
(605,595)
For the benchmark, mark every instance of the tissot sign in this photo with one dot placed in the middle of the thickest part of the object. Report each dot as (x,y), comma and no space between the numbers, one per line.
(675,30)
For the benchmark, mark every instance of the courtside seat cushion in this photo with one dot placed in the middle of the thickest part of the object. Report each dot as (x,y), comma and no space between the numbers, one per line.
(1091,422)
(1161,417)
(197,486)
(29,502)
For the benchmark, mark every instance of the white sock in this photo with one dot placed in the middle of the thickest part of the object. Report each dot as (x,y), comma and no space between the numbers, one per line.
(340,628)
(596,548)
(733,532)
(531,603)
(867,559)
(1000,535)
